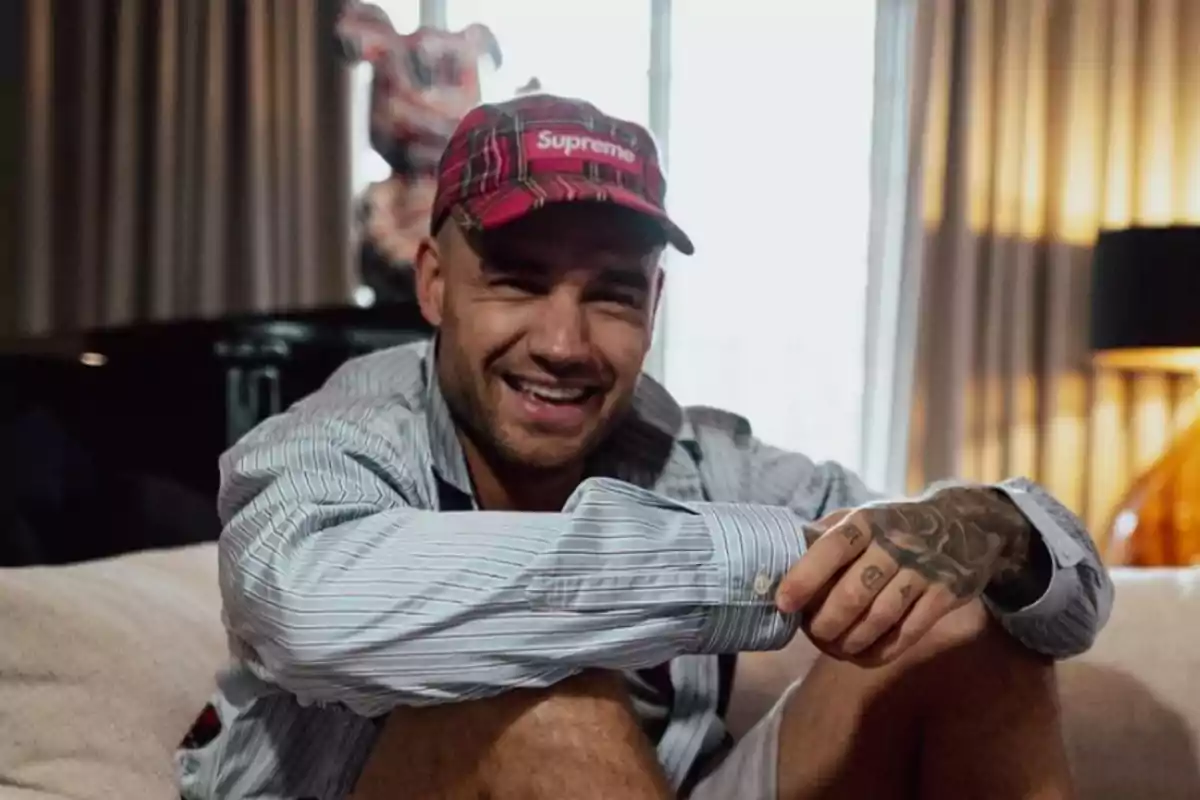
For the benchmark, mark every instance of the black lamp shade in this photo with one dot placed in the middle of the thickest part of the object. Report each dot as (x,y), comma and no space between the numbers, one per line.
(1146,289)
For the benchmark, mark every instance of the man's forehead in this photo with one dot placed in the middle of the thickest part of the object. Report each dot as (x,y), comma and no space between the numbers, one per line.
(628,267)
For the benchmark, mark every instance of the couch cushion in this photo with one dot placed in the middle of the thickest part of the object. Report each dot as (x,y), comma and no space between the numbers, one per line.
(103,667)
(1131,705)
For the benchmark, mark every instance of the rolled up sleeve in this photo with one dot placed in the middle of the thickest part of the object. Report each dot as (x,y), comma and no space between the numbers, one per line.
(342,590)
(1063,622)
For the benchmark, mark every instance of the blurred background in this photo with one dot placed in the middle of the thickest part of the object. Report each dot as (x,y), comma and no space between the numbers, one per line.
(934,239)
(895,204)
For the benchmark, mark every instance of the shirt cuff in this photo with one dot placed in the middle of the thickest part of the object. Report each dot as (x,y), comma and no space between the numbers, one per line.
(756,546)
(1064,552)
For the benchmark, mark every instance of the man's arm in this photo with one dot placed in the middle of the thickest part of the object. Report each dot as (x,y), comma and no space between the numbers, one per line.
(345,592)
(1055,600)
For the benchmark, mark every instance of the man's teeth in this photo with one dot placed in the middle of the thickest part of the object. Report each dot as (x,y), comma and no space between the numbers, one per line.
(554,394)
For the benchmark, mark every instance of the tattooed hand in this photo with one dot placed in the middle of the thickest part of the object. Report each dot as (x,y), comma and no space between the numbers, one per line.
(877,578)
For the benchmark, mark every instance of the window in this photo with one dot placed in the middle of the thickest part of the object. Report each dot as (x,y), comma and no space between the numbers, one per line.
(770,140)
(769,108)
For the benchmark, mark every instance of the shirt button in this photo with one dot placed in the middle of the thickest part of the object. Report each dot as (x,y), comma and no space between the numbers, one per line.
(762,584)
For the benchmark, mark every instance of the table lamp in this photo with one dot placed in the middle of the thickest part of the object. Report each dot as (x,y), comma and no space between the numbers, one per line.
(1146,316)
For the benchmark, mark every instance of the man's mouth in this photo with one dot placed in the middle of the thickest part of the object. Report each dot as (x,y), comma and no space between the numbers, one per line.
(559,394)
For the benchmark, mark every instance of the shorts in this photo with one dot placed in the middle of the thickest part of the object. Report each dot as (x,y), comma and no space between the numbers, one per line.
(749,771)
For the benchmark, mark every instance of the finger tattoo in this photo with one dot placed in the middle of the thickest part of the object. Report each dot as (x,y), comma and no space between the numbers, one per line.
(872,577)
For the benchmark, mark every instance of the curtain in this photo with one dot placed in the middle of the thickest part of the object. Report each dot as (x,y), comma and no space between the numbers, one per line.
(1008,134)
(180,159)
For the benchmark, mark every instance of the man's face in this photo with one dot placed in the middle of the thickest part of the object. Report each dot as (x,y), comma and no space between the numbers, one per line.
(544,325)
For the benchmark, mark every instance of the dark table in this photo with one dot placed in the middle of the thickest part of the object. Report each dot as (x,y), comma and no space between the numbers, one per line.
(109,438)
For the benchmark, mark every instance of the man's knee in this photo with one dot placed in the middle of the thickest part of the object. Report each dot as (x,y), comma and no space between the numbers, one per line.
(966,628)
(991,724)
(970,636)
(974,634)
(970,666)
(514,744)
(965,685)
(965,658)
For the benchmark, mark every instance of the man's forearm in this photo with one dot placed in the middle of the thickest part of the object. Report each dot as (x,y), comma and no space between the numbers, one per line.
(1055,605)
(403,606)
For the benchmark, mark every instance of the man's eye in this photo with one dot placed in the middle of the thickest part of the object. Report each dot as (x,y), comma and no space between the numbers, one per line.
(627,299)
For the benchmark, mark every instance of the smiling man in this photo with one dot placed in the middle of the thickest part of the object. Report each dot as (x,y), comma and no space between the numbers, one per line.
(506,564)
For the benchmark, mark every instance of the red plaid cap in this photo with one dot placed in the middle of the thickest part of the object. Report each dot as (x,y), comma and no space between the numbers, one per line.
(507,159)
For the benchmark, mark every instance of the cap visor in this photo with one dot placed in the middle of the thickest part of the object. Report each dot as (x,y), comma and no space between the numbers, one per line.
(513,202)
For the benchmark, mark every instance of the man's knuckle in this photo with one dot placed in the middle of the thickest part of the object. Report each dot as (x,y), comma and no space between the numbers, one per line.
(881,619)
(800,585)
(820,633)
(853,648)
(825,629)
(852,595)
(818,637)
(946,597)
(857,642)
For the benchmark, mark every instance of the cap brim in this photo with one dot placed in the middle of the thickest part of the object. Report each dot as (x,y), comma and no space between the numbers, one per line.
(513,202)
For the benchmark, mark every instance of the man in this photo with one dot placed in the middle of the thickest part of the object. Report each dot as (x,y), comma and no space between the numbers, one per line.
(508,565)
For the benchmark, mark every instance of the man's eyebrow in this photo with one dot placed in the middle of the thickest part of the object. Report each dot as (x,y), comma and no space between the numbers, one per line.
(513,262)
(627,278)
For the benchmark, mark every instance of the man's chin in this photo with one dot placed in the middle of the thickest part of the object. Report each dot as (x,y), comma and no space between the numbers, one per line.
(544,453)
(545,458)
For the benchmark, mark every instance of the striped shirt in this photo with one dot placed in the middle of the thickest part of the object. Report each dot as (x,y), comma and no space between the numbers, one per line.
(357,576)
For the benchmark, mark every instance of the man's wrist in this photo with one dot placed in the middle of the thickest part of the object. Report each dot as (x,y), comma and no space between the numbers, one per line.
(1023,571)
(1025,587)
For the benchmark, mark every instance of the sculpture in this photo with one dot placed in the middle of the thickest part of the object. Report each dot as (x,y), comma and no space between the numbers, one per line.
(422,84)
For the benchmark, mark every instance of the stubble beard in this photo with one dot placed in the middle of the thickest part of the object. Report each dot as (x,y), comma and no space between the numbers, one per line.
(478,421)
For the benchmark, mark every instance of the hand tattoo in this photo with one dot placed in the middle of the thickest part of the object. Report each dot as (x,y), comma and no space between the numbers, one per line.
(962,537)
(872,578)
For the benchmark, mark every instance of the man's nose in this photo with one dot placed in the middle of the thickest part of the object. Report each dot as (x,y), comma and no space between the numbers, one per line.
(560,334)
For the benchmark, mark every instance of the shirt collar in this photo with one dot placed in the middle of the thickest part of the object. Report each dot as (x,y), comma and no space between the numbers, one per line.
(655,438)
(444,447)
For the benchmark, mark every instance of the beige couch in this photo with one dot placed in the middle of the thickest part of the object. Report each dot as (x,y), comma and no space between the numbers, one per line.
(104,665)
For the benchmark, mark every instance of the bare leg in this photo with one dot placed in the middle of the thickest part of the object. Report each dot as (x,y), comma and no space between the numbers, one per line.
(579,739)
(968,714)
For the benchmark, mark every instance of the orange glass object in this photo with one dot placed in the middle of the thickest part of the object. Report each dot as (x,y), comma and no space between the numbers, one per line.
(1157,522)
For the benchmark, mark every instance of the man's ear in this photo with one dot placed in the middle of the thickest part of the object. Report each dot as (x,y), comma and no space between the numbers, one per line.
(429,272)
(660,281)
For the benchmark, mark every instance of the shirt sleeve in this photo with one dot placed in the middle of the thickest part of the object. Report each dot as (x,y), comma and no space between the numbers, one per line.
(338,588)
(1063,622)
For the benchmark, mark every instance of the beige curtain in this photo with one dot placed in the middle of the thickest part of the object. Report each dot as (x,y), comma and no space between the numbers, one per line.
(1024,127)
(181,158)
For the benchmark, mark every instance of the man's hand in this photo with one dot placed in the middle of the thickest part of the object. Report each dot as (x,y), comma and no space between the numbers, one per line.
(875,579)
